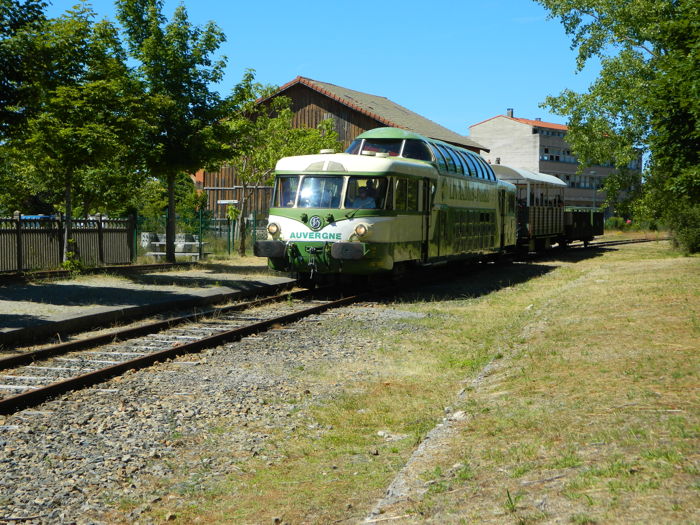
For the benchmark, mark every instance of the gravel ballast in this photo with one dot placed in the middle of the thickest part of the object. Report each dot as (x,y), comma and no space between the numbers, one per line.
(74,459)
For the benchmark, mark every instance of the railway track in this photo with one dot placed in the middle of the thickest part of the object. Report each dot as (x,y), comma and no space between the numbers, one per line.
(30,378)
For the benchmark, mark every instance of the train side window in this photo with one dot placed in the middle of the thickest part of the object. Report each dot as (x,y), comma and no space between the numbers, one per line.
(442,163)
(400,191)
(412,195)
(416,149)
(445,152)
(461,165)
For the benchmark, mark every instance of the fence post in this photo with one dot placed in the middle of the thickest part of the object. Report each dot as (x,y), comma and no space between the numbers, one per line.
(20,258)
(100,241)
(200,235)
(131,237)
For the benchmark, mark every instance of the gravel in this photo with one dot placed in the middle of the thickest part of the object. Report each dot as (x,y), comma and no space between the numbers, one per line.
(73,459)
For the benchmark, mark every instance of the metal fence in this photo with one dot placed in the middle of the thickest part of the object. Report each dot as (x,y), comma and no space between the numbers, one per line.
(36,243)
(202,235)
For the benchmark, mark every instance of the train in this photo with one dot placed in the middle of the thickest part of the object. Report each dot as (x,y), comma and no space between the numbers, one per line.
(396,200)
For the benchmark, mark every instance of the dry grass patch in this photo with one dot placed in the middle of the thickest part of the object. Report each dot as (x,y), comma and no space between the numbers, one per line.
(589,414)
(594,418)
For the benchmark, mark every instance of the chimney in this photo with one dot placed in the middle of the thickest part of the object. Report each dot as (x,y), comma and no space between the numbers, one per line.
(539,119)
(509,112)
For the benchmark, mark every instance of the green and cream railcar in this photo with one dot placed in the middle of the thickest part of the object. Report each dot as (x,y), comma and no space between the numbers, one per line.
(393,199)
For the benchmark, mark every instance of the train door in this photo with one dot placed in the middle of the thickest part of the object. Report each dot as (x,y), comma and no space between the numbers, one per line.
(427,206)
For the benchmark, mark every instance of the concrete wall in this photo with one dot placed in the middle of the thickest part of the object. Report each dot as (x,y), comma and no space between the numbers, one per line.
(510,141)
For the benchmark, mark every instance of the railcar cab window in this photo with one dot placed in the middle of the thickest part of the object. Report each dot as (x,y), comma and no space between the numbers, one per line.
(285,192)
(366,193)
(320,192)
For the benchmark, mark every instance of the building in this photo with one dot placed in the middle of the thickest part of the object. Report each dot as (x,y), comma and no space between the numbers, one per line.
(353,112)
(541,147)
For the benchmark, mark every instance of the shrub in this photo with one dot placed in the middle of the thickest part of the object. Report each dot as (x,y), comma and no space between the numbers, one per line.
(685,228)
(615,223)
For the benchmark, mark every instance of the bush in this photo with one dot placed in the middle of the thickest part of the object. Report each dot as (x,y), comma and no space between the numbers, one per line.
(685,228)
(616,223)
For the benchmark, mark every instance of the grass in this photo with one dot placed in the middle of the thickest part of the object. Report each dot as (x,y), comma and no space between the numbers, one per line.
(589,413)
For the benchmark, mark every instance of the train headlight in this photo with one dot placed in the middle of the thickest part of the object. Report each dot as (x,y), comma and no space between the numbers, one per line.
(361,230)
(273,229)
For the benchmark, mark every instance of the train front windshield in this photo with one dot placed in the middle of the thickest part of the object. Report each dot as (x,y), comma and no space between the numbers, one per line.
(330,192)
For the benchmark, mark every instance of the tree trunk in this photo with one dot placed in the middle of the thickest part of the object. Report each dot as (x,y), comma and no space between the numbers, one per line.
(68,248)
(171,220)
(241,223)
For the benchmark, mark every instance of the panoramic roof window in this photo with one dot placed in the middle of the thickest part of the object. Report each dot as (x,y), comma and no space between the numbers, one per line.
(368,146)
(468,165)
(450,163)
(456,160)
(440,158)
(488,172)
(471,161)
(416,149)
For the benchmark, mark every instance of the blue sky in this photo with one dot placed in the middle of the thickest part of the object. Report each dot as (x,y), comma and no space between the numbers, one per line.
(454,62)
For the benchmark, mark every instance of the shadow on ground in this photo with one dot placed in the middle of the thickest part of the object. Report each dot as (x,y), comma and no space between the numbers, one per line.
(79,295)
(475,280)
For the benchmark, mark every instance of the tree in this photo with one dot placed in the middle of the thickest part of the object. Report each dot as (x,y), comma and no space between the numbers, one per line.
(646,98)
(186,116)
(263,126)
(84,118)
(20,62)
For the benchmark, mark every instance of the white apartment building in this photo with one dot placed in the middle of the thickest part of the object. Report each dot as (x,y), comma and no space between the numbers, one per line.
(541,147)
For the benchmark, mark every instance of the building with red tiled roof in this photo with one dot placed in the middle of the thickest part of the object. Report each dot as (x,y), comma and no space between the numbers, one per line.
(541,147)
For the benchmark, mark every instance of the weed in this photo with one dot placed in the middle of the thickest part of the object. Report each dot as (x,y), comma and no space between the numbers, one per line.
(511,503)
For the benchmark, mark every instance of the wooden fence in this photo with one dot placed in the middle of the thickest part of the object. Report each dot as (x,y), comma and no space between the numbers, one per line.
(36,243)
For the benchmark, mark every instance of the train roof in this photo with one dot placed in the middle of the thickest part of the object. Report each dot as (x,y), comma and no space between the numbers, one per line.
(344,162)
(521,175)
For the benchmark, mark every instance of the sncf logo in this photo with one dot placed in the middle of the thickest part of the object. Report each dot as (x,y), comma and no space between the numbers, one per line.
(315,222)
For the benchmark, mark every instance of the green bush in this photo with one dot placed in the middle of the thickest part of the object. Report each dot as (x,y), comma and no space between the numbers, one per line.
(616,223)
(685,228)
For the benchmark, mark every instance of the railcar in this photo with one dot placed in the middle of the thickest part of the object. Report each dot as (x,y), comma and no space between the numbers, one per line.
(392,200)
(543,218)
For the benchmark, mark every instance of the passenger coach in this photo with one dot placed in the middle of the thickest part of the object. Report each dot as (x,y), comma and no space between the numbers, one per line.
(393,199)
